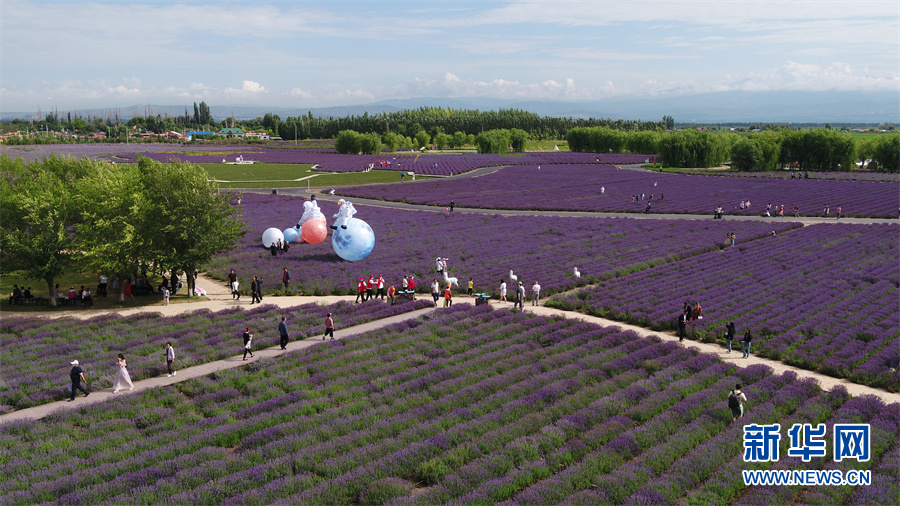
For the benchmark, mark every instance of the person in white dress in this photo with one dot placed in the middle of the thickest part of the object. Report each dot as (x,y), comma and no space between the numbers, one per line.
(123,379)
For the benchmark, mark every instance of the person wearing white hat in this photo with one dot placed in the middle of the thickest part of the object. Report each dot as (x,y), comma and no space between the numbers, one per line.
(77,376)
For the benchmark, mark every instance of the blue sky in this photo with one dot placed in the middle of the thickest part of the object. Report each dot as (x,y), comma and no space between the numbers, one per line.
(71,54)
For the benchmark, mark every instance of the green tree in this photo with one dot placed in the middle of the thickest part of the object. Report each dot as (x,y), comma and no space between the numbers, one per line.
(422,139)
(459,139)
(886,152)
(113,234)
(347,142)
(393,141)
(369,144)
(442,140)
(39,209)
(187,219)
(517,139)
(645,142)
(493,141)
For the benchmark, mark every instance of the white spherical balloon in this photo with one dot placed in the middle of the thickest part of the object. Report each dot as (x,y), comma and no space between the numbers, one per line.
(271,235)
(291,234)
(355,242)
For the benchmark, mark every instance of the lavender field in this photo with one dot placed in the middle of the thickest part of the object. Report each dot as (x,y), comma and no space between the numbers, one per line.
(108,151)
(35,353)
(604,187)
(447,164)
(823,298)
(483,247)
(470,406)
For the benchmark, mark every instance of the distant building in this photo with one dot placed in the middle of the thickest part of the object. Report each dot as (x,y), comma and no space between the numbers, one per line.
(230,132)
(263,136)
(192,133)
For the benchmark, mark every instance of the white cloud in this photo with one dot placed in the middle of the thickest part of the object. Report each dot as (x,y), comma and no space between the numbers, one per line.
(297,92)
(247,89)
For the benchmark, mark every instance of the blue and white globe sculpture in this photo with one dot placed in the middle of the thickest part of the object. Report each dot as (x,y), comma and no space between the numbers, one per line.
(271,235)
(355,242)
(291,234)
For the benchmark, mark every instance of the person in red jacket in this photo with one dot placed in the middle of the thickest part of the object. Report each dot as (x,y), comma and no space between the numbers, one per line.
(412,286)
(370,287)
(390,293)
(379,286)
(448,297)
(361,290)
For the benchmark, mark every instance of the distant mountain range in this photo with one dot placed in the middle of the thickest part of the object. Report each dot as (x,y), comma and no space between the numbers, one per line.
(722,107)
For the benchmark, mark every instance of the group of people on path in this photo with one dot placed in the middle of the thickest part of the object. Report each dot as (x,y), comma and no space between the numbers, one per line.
(371,288)
(695,312)
(122,379)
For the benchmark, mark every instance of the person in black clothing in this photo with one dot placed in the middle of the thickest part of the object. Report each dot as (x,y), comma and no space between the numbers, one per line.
(255,289)
(77,376)
(274,249)
(682,324)
(452,205)
(248,344)
(283,332)
(729,334)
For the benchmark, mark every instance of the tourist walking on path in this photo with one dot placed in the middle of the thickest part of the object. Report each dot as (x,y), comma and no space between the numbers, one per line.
(360,291)
(165,295)
(837,214)
(502,291)
(736,400)
(329,326)
(170,360)
(254,291)
(248,343)
(123,379)
(796,211)
(825,212)
(535,294)
(283,332)
(390,293)
(448,297)
(729,334)
(232,279)
(746,340)
(436,291)
(286,277)
(520,296)
(682,325)
(470,290)
(77,376)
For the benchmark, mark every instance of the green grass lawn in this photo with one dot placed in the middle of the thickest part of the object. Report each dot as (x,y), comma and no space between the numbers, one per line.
(278,175)
(548,145)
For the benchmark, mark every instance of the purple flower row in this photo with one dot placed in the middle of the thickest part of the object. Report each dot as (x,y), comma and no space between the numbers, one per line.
(38,351)
(482,247)
(605,187)
(476,405)
(823,297)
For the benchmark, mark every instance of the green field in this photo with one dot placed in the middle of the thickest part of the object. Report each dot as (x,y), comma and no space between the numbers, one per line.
(278,175)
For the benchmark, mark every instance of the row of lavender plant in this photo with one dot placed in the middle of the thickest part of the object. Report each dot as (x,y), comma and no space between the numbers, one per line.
(119,152)
(482,247)
(36,353)
(426,164)
(823,298)
(482,403)
(607,187)
(853,175)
